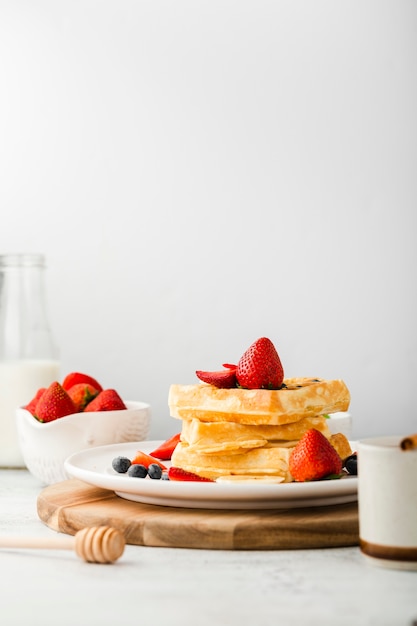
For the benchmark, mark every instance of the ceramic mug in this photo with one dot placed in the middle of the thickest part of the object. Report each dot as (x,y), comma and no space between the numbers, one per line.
(387,499)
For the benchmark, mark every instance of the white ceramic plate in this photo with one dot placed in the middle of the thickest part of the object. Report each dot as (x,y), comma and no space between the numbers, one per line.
(94,466)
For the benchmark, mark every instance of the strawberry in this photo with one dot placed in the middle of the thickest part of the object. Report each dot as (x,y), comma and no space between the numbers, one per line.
(260,366)
(165,450)
(177,473)
(314,458)
(54,403)
(32,404)
(82,394)
(76,377)
(141,458)
(106,400)
(224,379)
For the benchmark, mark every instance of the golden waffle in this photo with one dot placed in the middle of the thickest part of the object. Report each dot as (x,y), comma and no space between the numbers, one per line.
(271,460)
(300,398)
(230,437)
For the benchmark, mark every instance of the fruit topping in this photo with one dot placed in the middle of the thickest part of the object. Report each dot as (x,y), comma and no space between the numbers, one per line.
(260,366)
(137,471)
(155,471)
(314,458)
(351,464)
(166,449)
(223,379)
(177,473)
(121,464)
(146,459)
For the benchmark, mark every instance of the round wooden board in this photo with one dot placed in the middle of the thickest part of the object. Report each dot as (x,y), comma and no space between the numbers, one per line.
(72,505)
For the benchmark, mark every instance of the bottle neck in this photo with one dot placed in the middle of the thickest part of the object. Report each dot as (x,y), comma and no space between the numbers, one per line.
(24,327)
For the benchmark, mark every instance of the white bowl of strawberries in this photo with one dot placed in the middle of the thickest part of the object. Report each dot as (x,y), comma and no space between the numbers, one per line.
(75,415)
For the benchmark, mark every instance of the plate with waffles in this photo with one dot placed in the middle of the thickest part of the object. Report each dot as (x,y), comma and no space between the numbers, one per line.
(94,466)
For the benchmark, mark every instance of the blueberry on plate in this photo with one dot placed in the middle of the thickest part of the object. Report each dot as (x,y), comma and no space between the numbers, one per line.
(155,471)
(351,464)
(121,464)
(137,470)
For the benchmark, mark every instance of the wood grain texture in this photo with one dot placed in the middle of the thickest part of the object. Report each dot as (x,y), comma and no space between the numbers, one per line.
(71,505)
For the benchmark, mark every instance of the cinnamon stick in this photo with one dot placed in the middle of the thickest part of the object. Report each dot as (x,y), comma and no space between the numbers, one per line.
(409,443)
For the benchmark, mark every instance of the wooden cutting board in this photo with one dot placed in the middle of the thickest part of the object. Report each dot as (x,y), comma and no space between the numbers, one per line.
(72,505)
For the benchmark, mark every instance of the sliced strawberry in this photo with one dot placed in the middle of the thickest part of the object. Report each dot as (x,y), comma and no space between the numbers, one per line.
(260,366)
(223,379)
(54,403)
(31,407)
(74,378)
(106,400)
(179,474)
(314,458)
(165,450)
(141,458)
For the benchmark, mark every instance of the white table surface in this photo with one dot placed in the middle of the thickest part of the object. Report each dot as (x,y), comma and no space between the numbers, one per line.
(181,587)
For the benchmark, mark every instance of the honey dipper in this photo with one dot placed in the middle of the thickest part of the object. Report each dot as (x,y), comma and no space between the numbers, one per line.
(96,544)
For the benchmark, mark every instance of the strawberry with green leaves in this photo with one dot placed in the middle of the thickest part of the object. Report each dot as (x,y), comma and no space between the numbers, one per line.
(82,394)
(54,403)
(258,368)
(106,400)
(314,458)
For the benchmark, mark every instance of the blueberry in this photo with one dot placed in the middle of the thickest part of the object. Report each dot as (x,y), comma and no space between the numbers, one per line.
(121,464)
(351,464)
(137,470)
(155,471)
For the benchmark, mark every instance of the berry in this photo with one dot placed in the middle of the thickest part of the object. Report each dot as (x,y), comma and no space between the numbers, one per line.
(177,473)
(121,464)
(314,458)
(54,403)
(351,464)
(137,471)
(146,459)
(165,450)
(154,471)
(224,379)
(76,377)
(82,394)
(107,400)
(260,366)
(31,407)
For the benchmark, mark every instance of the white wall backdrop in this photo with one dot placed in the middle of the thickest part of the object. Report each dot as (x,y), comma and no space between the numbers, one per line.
(203,173)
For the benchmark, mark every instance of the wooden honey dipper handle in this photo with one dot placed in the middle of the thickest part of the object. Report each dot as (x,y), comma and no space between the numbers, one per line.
(97,544)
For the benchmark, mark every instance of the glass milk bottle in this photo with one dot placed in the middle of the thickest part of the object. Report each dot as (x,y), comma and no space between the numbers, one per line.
(28,356)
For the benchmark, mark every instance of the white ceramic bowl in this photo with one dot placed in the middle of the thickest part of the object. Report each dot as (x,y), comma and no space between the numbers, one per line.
(340,423)
(45,446)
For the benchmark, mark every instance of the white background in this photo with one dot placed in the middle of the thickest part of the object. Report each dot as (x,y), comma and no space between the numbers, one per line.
(203,173)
